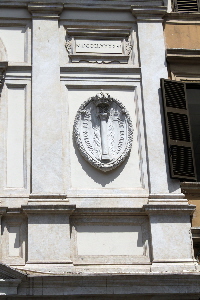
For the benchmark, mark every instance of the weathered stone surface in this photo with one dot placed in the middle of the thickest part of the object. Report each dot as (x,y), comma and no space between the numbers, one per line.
(88,211)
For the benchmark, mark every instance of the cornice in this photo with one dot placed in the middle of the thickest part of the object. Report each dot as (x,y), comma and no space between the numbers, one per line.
(45,10)
(179,55)
(182,18)
(107,5)
(191,188)
(176,284)
(7,272)
(148,13)
(184,63)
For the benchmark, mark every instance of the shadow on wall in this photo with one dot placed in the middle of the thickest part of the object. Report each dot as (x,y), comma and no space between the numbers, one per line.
(102,178)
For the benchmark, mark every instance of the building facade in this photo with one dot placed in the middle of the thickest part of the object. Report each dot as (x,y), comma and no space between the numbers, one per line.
(99,174)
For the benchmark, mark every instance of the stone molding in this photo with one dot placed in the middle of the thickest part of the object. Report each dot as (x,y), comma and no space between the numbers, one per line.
(53,209)
(10,279)
(183,55)
(190,188)
(45,10)
(99,59)
(75,35)
(181,18)
(115,5)
(150,13)
(169,209)
(167,199)
(41,196)
(114,211)
(95,32)
(177,285)
(96,221)
(184,63)
(7,272)
(58,199)
(123,68)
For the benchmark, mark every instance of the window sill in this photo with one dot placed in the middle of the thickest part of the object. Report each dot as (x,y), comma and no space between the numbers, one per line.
(190,188)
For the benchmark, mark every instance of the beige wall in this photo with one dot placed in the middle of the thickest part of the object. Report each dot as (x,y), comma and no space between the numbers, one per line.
(196,216)
(185,36)
(182,36)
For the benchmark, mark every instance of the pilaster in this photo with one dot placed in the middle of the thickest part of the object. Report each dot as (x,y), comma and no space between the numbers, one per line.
(153,68)
(48,235)
(47,152)
(171,237)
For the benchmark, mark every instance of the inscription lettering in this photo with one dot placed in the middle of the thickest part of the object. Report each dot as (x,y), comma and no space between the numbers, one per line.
(89,46)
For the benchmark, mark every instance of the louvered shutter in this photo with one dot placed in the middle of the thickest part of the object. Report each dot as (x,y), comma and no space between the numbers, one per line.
(179,137)
(186,6)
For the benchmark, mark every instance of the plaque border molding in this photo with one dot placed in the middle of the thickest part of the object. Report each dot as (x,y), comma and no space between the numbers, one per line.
(98,34)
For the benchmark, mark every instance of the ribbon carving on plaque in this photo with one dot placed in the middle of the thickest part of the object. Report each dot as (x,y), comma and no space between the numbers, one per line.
(103,132)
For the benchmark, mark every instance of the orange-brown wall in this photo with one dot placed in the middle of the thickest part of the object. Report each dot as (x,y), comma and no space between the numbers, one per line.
(182,36)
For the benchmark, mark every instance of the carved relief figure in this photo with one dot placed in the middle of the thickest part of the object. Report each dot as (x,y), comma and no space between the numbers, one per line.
(103,132)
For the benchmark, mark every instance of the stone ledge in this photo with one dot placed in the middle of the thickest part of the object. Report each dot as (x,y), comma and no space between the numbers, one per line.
(178,18)
(169,208)
(35,209)
(187,56)
(71,67)
(110,211)
(190,188)
(113,284)
(53,196)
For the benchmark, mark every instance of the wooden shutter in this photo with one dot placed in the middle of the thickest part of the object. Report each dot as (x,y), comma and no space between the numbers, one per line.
(179,137)
(186,6)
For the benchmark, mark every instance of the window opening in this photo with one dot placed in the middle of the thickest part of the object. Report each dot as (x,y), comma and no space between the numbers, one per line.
(178,130)
(193,98)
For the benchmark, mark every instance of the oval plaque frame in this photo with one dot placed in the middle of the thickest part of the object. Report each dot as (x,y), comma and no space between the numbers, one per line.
(103,132)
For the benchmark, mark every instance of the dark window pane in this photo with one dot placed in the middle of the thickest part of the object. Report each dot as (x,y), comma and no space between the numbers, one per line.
(193,97)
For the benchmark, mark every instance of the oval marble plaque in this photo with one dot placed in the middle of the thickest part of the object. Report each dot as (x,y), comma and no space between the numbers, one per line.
(103,132)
